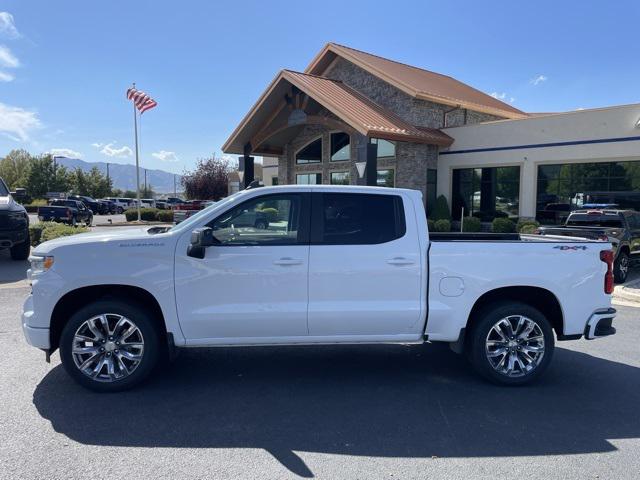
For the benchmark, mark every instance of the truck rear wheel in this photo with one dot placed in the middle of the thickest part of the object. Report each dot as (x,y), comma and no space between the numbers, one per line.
(109,346)
(621,267)
(511,343)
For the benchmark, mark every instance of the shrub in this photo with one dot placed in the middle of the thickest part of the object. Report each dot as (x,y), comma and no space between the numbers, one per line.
(431,225)
(146,214)
(442,225)
(271,213)
(502,225)
(528,229)
(471,224)
(529,225)
(42,232)
(35,234)
(165,216)
(441,209)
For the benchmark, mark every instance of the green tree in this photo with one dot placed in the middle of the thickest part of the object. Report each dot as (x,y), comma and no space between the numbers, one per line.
(44,176)
(14,169)
(209,181)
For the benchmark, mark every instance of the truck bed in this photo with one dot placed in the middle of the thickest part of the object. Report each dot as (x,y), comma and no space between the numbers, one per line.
(501,237)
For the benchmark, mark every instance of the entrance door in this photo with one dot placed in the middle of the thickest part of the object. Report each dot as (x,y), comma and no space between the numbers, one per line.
(253,283)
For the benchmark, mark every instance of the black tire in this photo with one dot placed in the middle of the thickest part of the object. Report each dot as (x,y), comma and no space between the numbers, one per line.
(20,251)
(89,221)
(74,222)
(261,224)
(621,267)
(477,342)
(120,210)
(146,325)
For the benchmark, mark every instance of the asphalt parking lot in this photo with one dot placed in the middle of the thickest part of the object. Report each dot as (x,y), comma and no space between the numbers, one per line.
(323,412)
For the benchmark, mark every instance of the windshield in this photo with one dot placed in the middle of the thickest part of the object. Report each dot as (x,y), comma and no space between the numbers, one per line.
(3,189)
(587,220)
(188,223)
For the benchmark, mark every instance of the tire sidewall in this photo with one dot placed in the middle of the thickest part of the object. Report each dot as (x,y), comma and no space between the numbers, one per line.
(486,320)
(619,276)
(136,314)
(22,250)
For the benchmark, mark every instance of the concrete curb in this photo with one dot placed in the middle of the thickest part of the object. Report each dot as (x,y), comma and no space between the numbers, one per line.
(629,292)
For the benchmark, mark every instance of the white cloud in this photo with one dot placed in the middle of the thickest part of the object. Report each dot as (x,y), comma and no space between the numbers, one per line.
(65,152)
(97,145)
(165,156)
(110,151)
(16,123)
(5,77)
(538,79)
(8,59)
(502,96)
(7,26)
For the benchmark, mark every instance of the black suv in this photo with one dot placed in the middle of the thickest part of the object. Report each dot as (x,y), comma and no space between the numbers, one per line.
(14,225)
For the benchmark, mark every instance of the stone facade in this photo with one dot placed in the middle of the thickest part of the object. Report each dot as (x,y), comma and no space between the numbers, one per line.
(412,160)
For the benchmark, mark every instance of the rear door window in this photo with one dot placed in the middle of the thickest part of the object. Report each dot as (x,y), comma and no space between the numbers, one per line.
(357,219)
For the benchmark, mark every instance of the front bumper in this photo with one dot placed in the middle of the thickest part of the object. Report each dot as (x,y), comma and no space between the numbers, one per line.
(8,238)
(600,324)
(37,337)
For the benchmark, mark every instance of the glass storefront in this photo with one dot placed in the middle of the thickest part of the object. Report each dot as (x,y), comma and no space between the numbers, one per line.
(486,193)
(565,187)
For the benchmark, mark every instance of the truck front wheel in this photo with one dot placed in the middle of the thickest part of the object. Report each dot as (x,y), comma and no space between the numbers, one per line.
(109,346)
(511,343)
(20,251)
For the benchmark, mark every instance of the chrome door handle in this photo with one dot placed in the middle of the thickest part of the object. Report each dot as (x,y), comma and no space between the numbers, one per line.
(400,261)
(287,261)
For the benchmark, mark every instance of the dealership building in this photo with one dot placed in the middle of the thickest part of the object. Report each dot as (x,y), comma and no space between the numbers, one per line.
(355,118)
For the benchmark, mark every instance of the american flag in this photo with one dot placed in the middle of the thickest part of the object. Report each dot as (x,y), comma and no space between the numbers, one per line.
(141,100)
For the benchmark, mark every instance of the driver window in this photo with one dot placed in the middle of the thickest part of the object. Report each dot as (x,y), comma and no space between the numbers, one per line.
(266,220)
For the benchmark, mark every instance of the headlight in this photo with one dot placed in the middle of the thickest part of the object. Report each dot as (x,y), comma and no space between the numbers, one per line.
(40,264)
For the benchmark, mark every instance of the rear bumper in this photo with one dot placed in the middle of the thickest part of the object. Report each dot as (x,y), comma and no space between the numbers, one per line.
(600,324)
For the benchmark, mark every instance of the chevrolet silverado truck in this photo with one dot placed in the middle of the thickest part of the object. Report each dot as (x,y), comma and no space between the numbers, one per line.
(335,265)
(14,225)
(620,227)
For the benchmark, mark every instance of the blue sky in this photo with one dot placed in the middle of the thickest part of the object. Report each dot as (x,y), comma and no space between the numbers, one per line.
(65,65)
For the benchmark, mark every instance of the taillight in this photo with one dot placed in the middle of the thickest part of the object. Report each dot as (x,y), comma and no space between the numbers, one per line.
(607,257)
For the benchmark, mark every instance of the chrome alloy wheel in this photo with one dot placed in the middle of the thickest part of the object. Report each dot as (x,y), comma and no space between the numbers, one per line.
(107,347)
(515,346)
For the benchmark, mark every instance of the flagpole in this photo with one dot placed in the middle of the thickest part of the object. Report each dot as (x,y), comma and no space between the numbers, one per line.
(135,129)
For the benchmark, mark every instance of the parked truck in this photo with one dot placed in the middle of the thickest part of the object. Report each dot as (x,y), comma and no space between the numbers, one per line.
(71,212)
(620,227)
(337,265)
(14,225)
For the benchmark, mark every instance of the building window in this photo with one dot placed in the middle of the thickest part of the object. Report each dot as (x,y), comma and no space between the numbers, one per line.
(274,180)
(312,153)
(340,178)
(309,178)
(432,180)
(565,187)
(386,178)
(340,147)
(386,149)
(486,193)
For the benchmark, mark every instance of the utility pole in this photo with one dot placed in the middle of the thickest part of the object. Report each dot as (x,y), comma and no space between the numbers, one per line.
(135,129)
(145,181)
(174,185)
(107,172)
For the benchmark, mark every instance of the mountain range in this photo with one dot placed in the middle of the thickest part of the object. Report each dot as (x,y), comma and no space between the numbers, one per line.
(124,176)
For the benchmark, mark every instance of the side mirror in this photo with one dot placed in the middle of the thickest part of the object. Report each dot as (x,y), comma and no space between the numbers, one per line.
(201,238)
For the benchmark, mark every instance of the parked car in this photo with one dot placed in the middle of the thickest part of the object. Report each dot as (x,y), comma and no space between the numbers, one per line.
(162,205)
(553,213)
(182,211)
(121,204)
(14,224)
(71,212)
(174,200)
(343,264)
(89,202)
(107,207)
(620,227)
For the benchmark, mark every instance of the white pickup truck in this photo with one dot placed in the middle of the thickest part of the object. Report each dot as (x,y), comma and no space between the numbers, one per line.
(333,265)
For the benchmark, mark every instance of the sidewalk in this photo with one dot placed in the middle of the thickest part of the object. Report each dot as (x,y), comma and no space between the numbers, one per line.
(630,290)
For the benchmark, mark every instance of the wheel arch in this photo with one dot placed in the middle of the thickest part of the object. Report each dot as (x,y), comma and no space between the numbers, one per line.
(540,298)
(78,298)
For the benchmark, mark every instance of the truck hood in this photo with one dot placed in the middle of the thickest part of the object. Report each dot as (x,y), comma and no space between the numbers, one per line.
(116,234)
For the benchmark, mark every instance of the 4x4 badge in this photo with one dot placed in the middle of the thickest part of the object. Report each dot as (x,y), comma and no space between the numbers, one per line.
(570,247)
